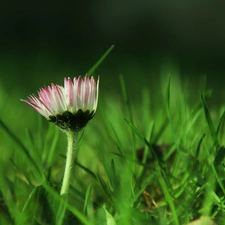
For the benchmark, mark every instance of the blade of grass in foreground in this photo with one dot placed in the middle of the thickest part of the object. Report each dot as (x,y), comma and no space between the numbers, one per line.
(176,141)
(209,122)
(220,123)
(97,64)
(109,218)
(87,198)
(61,210)
(129,108)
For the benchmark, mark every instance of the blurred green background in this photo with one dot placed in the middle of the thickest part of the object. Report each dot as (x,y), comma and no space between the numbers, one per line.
(43,41)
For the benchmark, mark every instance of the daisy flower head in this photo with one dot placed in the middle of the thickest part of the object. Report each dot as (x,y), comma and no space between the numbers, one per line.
(69,107)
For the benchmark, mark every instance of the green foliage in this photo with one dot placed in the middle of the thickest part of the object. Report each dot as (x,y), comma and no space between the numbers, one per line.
(156,160)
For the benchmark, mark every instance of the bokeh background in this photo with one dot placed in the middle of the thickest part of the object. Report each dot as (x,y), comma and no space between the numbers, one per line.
(43,41)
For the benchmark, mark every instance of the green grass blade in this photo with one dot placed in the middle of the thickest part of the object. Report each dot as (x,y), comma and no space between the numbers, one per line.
(113,167)
(98,178)
(136,131)
(219,157)
(199,146)
(97,64)
(126,98)
(146,165)
(220,123)
(209,121)
(214,167)
(123,88)
(109,218)
(50,145)
(87,198)
(168,96)
(160,131)
(160,177)
(27,206)
(129,108)
(168,197)
(9,208)
(38,207)
(169,113)
(32,150)
(86,170)
(60,216)
(105,187)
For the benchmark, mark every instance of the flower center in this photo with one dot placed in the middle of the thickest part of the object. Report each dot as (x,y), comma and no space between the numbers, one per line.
(70,121)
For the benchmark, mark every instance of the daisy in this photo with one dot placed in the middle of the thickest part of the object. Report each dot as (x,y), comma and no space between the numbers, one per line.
(69,107)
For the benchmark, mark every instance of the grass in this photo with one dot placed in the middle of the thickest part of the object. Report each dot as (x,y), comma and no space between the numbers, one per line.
(155,160)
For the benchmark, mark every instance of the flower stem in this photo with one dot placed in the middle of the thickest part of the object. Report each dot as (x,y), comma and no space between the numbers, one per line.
(72,137)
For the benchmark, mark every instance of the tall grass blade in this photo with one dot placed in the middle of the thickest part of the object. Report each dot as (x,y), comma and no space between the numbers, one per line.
(126,98)
(136,131)
(199,146)
(87,198)
(219,157)
(168,197)
(86,170)
(60,216)
(209,122)
(220,123)
(97,64)
(168,96)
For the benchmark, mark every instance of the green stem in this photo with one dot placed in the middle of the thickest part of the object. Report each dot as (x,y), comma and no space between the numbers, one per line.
(72,141)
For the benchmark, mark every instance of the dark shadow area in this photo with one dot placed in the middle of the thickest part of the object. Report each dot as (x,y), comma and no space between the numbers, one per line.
(42,42)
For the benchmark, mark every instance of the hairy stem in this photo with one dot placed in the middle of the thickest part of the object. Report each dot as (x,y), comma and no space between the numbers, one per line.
(72,141)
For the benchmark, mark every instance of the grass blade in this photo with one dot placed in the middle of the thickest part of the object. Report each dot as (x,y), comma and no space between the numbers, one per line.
(168,197)
(87,198)
(109,218)
(98,178)
(97,64)
(168,97)
(37,208)
(219,157)
(126,98)
(220,123)
(136,131)
(209,122)
(86,170)
(199,146)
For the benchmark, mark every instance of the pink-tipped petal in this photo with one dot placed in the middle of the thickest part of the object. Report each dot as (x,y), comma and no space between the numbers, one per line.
(69,93)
